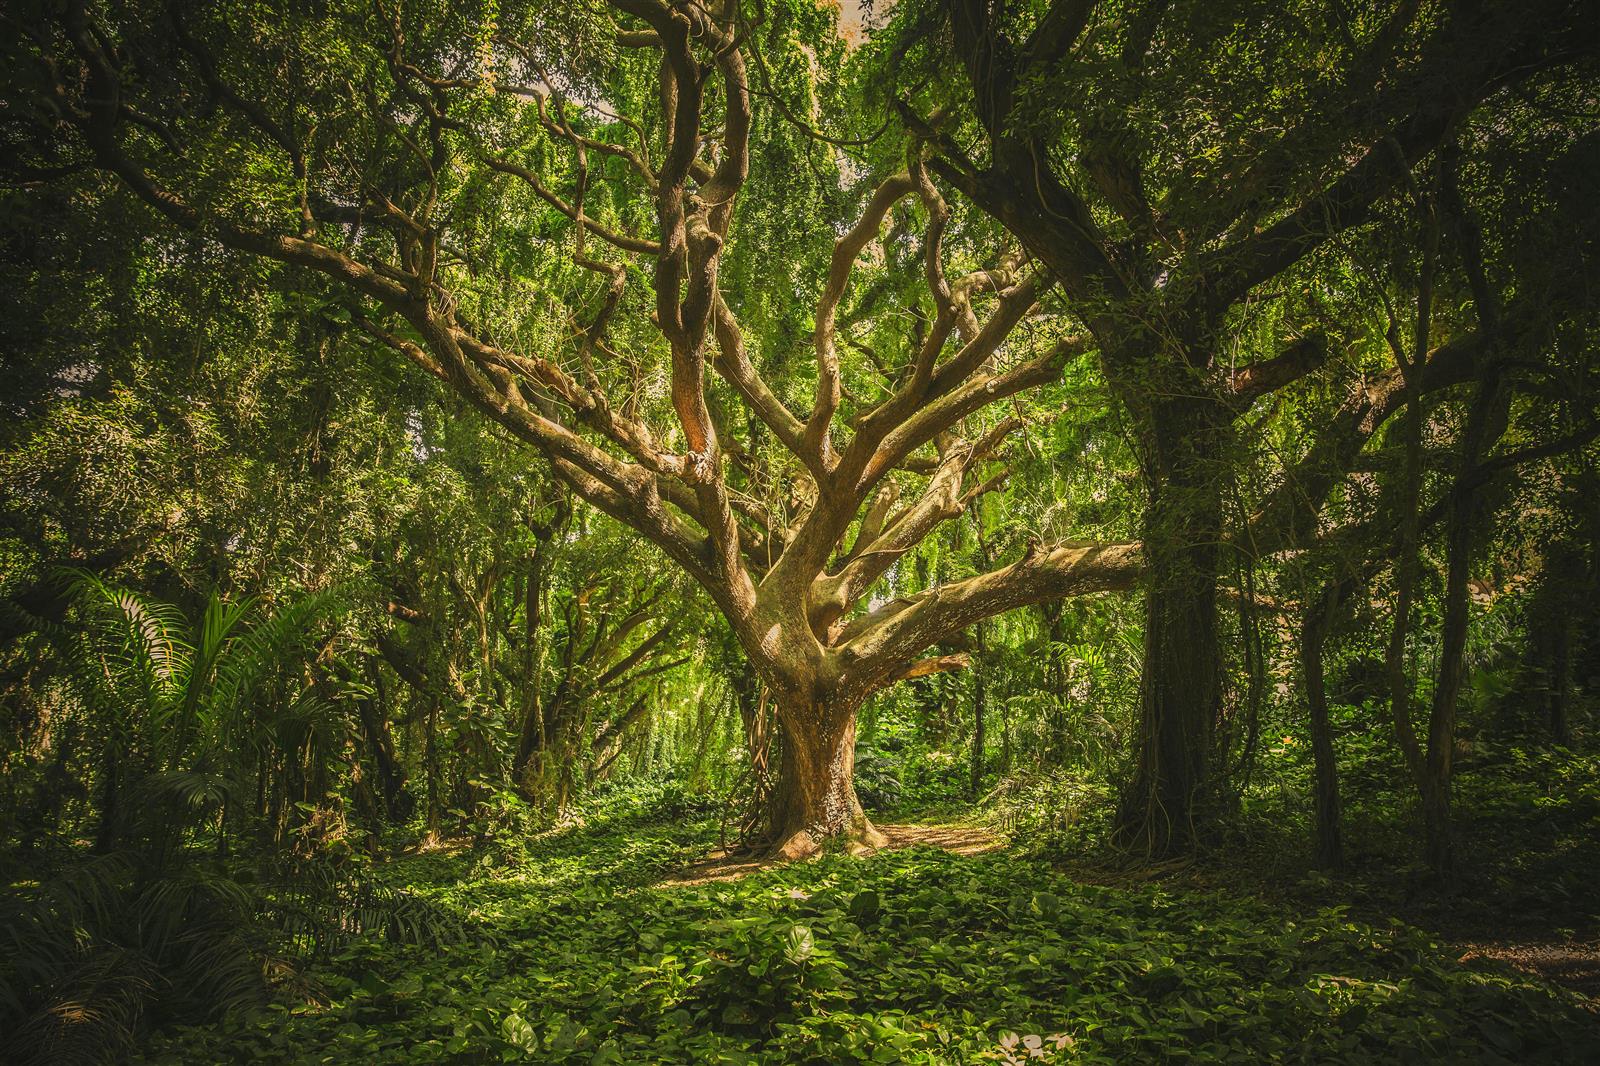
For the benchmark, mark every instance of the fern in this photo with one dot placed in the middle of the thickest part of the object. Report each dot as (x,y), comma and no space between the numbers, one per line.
(181,710)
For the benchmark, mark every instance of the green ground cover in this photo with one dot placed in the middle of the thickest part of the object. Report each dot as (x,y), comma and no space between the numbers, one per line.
(571,950)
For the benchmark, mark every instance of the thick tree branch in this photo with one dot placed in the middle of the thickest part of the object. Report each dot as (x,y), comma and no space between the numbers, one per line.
(881,641)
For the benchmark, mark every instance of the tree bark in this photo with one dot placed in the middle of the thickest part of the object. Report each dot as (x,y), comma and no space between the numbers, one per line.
(1313,635)
(980,711)
(815,800)
(1181,692)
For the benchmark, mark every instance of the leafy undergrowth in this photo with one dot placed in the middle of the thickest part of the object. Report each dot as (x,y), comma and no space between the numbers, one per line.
(1527,828)
(914,956)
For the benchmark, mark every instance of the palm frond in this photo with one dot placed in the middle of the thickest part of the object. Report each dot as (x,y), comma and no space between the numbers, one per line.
(257,655)
(134,649)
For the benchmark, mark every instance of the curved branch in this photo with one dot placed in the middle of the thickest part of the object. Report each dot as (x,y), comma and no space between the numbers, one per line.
(879,643)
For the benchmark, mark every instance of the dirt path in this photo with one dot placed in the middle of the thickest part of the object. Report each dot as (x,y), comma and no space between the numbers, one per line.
(1572,964)
(960,839)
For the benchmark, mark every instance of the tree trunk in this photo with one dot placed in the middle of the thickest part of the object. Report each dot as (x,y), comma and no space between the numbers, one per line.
(1486,423)
(374,715)
(532,728)
(1313,634)
(815,800)
(980,712)
(1405,566)
(1181,690)
(1255,662)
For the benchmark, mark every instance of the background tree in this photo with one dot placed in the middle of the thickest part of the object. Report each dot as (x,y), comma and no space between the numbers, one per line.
(1128,148)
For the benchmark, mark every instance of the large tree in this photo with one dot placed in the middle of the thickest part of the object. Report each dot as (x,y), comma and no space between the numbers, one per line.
(420,159)
(1135,150)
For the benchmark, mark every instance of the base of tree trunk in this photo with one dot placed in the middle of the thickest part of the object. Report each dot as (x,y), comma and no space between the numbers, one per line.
(814,806)
(860,837)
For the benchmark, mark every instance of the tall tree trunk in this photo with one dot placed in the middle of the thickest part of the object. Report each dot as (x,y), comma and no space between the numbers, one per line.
(532,665)
(1255,662)
(1406,564)
(1485,423)
(1435,806)
(980,711)
(1313,635)
(1181,690)
(815,799)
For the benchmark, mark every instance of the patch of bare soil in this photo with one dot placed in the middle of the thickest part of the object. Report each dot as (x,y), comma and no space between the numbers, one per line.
(723,865)
(1573,964)
(961,839)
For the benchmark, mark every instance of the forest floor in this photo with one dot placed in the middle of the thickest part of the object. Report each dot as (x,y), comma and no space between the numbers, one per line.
(1561,956)
(1524,891)
(1573,964)
(1545,946)
(1547,949)
(590,946)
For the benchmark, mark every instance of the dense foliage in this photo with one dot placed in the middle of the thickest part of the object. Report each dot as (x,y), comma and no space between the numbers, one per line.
(462,462)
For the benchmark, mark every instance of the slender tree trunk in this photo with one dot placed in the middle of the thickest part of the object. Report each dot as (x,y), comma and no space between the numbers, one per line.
(1313,635)
(1255,661)
(815,799)
(532,666)
(1486,422)
(431,762)
(375,726)
(1435,802)
(980,711)
(1399,678)
(1439,764)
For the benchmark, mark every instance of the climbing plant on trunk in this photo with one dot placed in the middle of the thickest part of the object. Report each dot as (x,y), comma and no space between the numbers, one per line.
(1129,149)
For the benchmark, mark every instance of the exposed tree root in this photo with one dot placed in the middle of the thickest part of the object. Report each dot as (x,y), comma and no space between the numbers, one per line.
(731,865)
